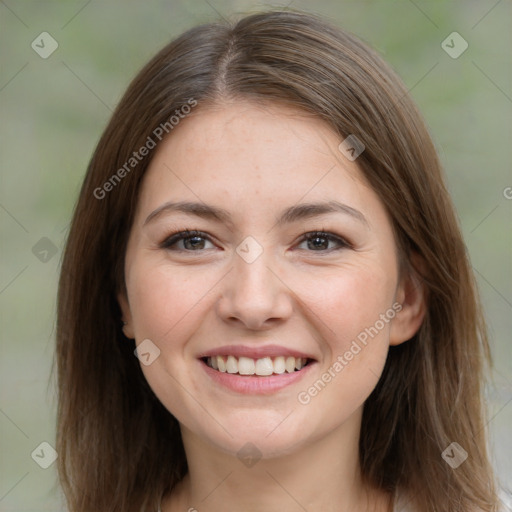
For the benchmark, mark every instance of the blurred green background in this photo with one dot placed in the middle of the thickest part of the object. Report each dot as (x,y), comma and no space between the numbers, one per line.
(54,109)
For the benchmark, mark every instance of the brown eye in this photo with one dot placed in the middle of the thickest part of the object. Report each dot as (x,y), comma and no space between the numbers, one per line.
(194,242)
(319,241)
(186,241)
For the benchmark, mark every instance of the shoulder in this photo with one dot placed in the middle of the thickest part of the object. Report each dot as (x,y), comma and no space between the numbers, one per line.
(403,503)
(505,501)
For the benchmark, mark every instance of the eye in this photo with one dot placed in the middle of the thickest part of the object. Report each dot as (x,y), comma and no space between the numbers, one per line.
(187,240)
(318,241)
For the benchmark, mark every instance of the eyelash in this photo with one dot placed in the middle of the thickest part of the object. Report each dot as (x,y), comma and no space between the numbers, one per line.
(187,234)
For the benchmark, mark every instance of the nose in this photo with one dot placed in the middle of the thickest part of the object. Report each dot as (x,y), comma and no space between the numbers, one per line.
(254,295)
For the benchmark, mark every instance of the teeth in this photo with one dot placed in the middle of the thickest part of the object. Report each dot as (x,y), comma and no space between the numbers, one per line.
(246,366)
(279,366)
(231,365)
(290,364)
(221,364)
(263,367)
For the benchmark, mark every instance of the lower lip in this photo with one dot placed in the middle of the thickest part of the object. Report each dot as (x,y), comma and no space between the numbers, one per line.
(254,384)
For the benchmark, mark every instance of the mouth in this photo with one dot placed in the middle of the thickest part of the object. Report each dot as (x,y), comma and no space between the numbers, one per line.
(264,374)
(262,367)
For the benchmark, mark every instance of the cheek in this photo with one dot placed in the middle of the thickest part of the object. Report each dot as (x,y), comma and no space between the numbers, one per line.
(348,301)
(167,305)
(357,308)
(161,297)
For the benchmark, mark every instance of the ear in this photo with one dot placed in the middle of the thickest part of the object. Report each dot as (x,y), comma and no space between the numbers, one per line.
(122,299)
(411,294)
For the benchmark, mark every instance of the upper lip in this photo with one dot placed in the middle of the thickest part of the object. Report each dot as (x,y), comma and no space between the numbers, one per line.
(254,352)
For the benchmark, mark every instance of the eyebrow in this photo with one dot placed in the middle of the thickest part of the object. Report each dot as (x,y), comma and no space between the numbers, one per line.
(292,214)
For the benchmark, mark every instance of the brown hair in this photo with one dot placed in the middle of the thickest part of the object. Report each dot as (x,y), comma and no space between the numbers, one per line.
(119,448)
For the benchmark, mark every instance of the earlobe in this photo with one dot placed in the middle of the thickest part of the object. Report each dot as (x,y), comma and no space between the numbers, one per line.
(127,316)
(411,294)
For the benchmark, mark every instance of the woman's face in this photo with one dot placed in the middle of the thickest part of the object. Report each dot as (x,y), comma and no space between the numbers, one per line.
(254,289)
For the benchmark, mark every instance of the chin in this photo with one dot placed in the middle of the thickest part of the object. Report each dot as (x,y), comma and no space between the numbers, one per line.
(258,434)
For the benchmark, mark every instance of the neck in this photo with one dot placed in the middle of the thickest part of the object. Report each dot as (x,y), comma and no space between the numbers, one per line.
(323,475)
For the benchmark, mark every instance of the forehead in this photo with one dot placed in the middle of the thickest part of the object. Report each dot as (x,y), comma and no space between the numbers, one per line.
(251,154)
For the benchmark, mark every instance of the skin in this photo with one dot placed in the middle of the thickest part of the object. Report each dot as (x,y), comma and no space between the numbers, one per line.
(254,161)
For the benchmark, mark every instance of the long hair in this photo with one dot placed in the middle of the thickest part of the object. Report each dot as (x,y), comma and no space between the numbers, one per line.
(119,448)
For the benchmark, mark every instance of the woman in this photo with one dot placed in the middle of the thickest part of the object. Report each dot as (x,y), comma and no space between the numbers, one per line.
(265,300)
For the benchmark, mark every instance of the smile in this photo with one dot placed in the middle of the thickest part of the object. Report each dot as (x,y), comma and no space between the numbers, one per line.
(262,367)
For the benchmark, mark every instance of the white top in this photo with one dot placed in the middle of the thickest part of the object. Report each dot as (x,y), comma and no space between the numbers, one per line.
(402,504)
